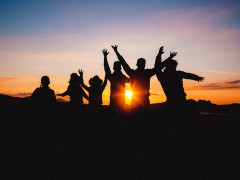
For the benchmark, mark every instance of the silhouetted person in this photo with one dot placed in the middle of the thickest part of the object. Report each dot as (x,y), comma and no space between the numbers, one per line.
(172,83)
(43,95)
(140,82)
(75,91)
(117,88)
(95,90)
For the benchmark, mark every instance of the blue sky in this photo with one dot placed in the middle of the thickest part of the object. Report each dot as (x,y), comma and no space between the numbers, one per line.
(33,17)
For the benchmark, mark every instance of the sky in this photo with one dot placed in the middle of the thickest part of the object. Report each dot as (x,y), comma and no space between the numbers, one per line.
(57,37)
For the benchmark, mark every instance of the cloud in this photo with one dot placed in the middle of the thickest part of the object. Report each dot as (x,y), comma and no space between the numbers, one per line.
(154,94)
(234,84)
(7,79)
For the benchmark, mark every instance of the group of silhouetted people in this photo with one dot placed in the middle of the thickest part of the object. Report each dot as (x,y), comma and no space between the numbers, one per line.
(166,71)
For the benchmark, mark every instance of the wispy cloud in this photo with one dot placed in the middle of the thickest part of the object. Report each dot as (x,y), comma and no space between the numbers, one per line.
(234,84)
(154,94)
(7,79)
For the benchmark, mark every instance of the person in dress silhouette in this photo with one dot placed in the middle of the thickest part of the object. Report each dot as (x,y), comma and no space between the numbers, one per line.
(171,80)
(140,82)
(95,89)
(75,91)
(117,88)
(43,95)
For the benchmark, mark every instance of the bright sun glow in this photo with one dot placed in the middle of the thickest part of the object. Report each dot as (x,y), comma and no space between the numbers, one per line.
(128,94)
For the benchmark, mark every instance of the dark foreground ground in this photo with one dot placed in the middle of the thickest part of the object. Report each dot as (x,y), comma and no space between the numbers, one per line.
(72,143)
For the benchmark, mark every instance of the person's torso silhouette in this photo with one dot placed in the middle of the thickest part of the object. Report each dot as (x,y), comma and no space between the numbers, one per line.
(43,95)
(172,81)
(75,91)
(76,94)
(140,82)
(117,86)
(95,90)
(117,89)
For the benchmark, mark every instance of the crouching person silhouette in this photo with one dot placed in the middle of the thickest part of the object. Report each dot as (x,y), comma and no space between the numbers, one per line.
(95,90)
(43,96)
(75,91)
(117,88)
(171,80)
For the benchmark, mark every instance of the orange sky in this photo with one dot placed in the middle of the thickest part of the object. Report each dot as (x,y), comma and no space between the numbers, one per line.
(217,96)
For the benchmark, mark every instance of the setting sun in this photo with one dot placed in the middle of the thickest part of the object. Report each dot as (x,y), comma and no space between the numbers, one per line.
(128,96)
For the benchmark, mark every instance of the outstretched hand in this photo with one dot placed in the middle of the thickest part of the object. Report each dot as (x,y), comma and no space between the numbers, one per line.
(201,79)
(161,50)
(105,52)
(80,71)
(172,54)
(115,47)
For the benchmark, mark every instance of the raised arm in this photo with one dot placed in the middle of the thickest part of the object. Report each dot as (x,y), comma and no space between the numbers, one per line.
(104,82)
(125,66)
(106,65)
(158,60)
(158,63)
(171,56)
(82,82)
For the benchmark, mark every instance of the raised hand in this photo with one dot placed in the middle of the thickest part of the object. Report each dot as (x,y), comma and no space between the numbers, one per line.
(161,50)
(172,54)
(115,47)
(80,71)
(105,52)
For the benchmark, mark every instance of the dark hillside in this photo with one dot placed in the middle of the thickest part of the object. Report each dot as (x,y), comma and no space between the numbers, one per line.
(65,142)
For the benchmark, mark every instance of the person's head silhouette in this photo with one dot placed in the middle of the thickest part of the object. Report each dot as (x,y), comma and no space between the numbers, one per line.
(95,81)
(74,76)
(117,66)
(171,64)
(45,81)
(74,79)
(141,62)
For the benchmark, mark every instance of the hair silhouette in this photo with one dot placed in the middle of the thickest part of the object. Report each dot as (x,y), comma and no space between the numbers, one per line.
(75,91)
(117,88)
(43,95)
